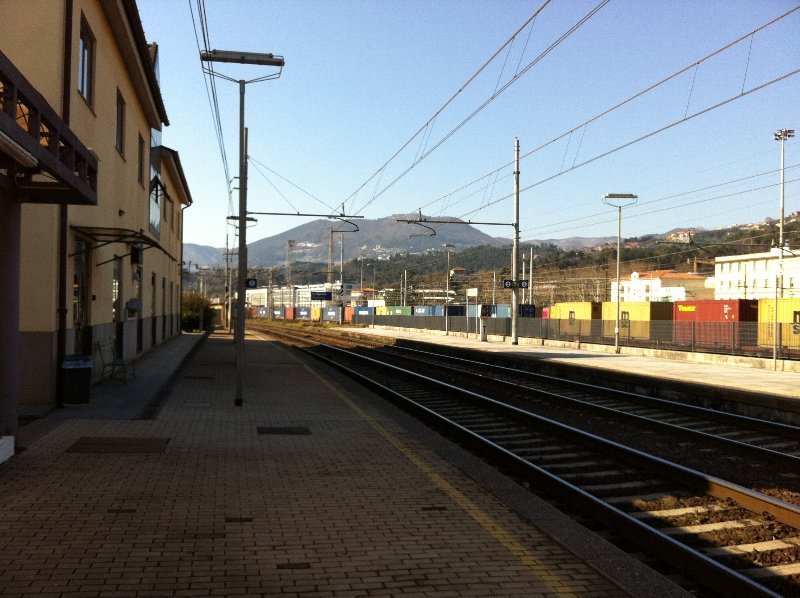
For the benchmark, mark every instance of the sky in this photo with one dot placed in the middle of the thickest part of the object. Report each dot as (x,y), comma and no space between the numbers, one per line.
(411,106)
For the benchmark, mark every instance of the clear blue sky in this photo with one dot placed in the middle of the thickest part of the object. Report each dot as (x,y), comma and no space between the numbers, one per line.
(362,77)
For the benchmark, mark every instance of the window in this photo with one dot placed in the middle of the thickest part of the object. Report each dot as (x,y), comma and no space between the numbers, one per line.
(120,138)
(156,198)
(140,174)
(86,63)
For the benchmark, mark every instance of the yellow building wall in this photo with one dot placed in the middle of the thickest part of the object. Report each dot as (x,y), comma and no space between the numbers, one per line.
(33,41)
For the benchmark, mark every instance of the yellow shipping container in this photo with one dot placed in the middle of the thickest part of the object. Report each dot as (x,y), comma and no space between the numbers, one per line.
(575,318)
(788,322)
(635,319)
(316,314)
(380,310)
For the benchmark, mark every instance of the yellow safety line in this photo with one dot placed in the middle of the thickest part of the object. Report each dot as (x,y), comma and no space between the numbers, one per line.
(552,581)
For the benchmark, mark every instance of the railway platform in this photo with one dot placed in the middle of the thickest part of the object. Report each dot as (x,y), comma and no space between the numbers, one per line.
(313,487)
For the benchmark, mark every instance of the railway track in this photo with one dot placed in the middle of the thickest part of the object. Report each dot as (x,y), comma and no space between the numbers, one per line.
(706,511)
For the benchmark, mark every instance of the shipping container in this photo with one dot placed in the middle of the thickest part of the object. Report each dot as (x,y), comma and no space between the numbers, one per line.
(639,320)
(715,324)
(302,313)
(501,311)
(277,313)
(331,314)
(485,310)
(527,310)
(398,310)
(381,310)
(788,323)
(262,311)
(348,314)
(316,314)
(423,310)
(453,310)
(363,315)
(545,312)
(577,319)
(288,313)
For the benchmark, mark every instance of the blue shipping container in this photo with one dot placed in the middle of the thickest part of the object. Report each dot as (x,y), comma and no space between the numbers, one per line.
(303,313)
(423,310)
(364,311)
(527,310)
(501,311)
(331,314)
(277,313)
(486,310)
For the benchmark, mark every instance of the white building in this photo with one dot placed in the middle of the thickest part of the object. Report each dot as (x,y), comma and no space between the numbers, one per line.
(297,295)
(655,286)
(757,275)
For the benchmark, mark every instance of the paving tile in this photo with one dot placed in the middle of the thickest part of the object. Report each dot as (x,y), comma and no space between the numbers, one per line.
(224,510)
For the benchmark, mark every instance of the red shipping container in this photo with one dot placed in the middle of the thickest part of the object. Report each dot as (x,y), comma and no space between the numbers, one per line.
(289,313)
(348,314)
(715,324)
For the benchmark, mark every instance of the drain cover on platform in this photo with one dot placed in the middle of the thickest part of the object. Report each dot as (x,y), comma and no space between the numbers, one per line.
(97,444)
(285,430)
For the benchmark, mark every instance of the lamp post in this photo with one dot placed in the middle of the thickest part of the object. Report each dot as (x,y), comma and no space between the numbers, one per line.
(619,201)
(780,135)
(447,248)
(254,59)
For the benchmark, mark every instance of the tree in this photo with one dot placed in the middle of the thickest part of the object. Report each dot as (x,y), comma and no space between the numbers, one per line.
(196,313)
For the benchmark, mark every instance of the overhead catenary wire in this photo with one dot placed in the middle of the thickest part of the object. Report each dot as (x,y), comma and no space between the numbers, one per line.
(488,101)
(665,198)
(211,91)
(640,139)
(638,214)
(446,104)
(619,105)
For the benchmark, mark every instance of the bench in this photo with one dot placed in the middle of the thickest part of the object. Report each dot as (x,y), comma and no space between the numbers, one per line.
(113,366)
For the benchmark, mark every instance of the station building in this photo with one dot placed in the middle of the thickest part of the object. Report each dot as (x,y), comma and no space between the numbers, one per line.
(91,234)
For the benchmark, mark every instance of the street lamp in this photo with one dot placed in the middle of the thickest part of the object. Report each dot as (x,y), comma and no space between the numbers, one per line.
(619,201)
(253,59)
(447,248)
(780,135)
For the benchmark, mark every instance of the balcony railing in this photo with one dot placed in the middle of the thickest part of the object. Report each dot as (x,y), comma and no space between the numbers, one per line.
(46,142)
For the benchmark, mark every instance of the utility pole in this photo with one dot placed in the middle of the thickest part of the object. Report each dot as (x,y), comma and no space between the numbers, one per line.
(289,246)
(515,253)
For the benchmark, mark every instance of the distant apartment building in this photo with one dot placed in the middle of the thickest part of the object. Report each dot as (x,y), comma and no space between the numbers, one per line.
(758,275)
(661,285)
(91,234)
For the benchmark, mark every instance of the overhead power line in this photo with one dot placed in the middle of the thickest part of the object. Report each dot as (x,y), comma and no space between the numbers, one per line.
(211,90)
(630,99)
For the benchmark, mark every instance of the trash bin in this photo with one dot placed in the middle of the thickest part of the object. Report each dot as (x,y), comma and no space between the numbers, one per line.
(76,371)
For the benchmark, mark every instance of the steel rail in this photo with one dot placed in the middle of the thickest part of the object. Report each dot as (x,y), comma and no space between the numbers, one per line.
(756,450)
(710,571)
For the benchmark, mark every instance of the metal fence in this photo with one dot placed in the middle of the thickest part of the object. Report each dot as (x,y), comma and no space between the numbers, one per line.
(752,339)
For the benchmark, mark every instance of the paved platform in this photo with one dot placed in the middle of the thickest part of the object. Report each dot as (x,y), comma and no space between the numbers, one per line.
(314,487)
(785,384)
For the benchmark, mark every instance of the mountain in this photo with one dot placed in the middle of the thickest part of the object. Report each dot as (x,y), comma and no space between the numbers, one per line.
(575,242)
(203,255)
(375,239)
